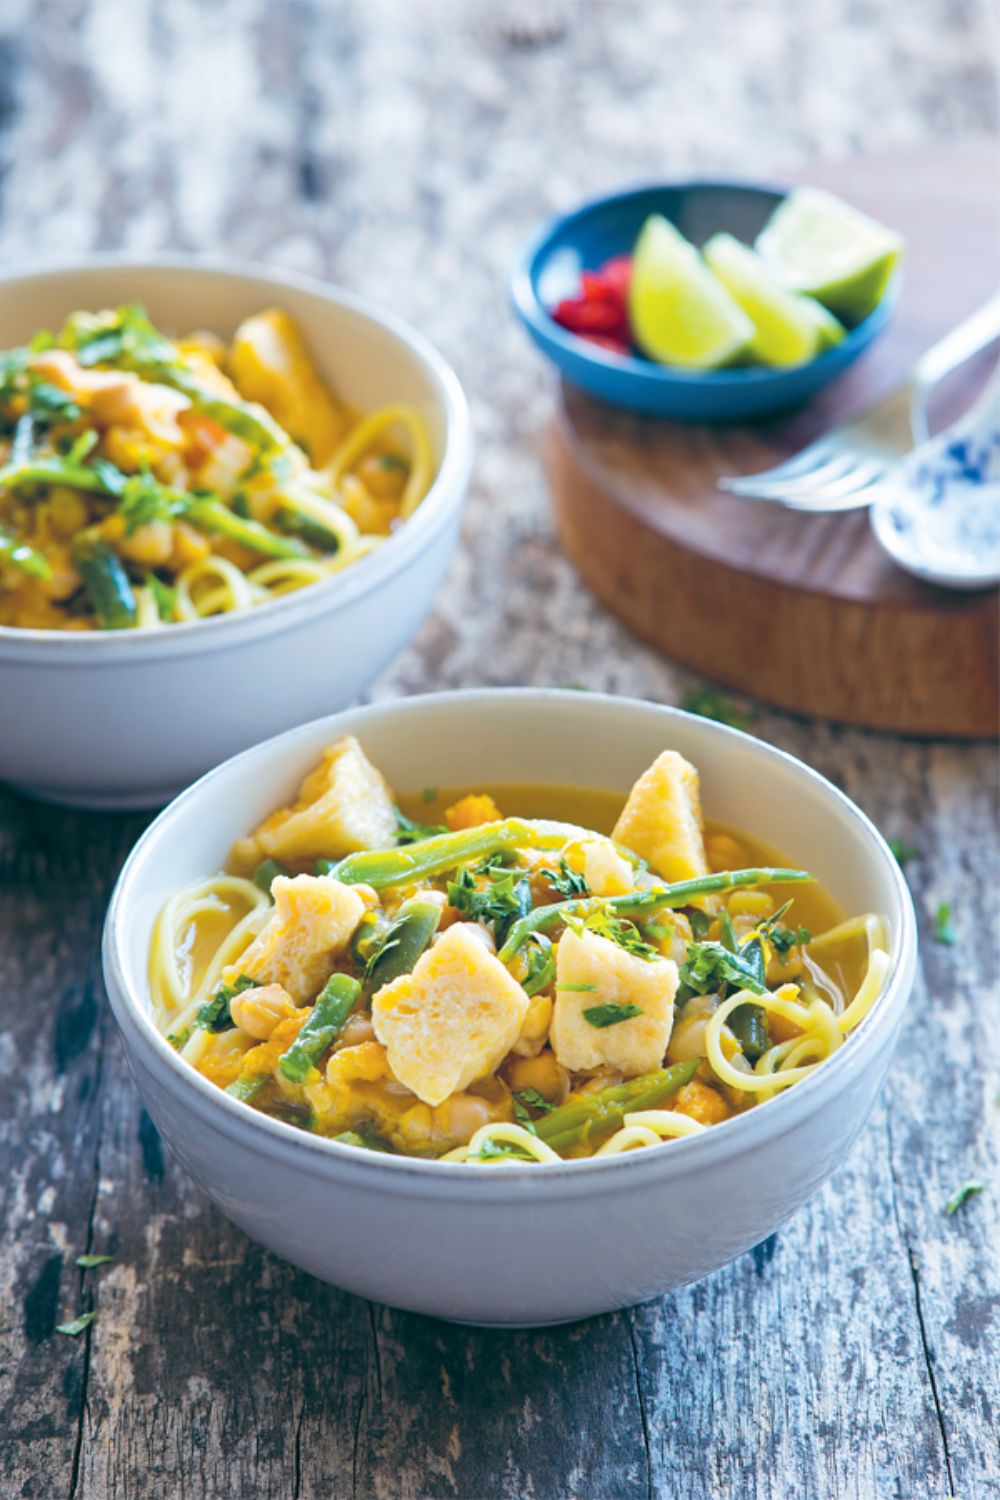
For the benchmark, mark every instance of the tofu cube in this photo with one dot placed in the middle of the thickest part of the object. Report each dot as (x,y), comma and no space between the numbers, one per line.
(606,872)
(613,976)
(312,922)
(453,1020)
(661,821)
(343,805)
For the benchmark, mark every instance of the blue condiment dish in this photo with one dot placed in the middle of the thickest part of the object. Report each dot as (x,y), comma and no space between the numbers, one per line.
(549,267)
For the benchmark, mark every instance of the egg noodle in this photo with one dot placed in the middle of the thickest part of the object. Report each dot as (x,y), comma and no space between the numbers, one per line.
(146,481)
(504,990)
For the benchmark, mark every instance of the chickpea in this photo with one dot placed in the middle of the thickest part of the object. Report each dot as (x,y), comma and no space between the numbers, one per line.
(688,1038)
(357,1029)
(67,510)
(152,544)
(756,904)
(725,853)
(258,1011)
(535,1027)
(543,1073)
(383,475)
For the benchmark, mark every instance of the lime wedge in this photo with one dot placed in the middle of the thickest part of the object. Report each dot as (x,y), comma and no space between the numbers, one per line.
(789,329)
(823,246)
(680,314)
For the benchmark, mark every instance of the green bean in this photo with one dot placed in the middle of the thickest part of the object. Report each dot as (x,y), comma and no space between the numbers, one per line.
(333,1006)
(96,479)
(366,1139)
(267,873)
(416,923)
(247,1087)
(588,1116)
(443,851)
(309,529)
(105,582)
(749,1027)
(23,557)
(209,514)
(641,903)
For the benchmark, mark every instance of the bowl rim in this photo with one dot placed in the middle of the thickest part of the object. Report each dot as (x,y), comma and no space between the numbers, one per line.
(442,499)
(540,323)
(772,1117)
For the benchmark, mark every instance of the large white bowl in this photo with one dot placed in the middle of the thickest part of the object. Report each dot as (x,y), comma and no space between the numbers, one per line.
(127,719)
(514,1245)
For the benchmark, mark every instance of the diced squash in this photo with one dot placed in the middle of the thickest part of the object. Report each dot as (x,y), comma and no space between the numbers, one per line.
(702,1103)
(471,811)
(313,919)
(592,971)
(661,821)
(343,805)
(453,1020)
(269,363)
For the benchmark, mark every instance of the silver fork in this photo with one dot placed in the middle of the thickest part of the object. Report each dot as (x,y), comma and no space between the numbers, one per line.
(837,471)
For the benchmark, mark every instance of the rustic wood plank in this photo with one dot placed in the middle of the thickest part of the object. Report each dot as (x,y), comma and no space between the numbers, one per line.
(405,150)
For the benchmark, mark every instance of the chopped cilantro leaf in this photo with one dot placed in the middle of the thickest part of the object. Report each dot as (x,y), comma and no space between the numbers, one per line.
(499,903)
(76,1325)
(622,932)
(409,832)
(944,931)
(430,793)
(522,1116)
(700,922)
(566,881)
(902,851)
(534,1100)
(710,968)
(610,1015)
(709,704)
(214,1014)
(576,989)
(962,1195)
(541,962)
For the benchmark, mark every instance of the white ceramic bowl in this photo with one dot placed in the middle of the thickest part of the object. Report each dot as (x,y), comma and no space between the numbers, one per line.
(514,1245)
(126,720)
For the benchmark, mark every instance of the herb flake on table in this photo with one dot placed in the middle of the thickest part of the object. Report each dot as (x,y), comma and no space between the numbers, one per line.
(707,703)
(85,1262)
(962,1195)
(76,1325)
(944,931)
(902,852)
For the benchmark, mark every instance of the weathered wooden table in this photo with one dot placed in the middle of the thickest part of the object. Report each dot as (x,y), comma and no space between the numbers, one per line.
(404,150)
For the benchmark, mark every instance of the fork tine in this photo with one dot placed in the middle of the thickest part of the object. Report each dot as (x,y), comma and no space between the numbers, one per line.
(804,483)
(840,497)
(810,458)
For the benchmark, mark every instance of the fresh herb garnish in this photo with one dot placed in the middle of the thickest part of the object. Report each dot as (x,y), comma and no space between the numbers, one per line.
(707,703)
(962,1195)
(430,793)
(541,963)
(621,932)
(709,968)
(492,1150)
(521,1114)
(944,931)
(602,1016)
(534,1100)
(409,832)
(164,596)
(573,988)
(86,1261)
(700,923)
(77,1325)
(498,904)
(727,933)
(214,1014)
(566,880)
(901,850)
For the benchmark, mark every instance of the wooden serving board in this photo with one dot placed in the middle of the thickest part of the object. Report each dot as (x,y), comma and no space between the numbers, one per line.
(803,611)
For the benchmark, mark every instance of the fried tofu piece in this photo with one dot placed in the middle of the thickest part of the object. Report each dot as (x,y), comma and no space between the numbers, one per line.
(269,363)
(661,821)
(343,805)
(312,922)
(612,976)
(606,872)
(453,1020)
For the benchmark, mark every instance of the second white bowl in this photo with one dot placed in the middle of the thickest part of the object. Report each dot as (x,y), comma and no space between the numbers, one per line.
(127,719)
